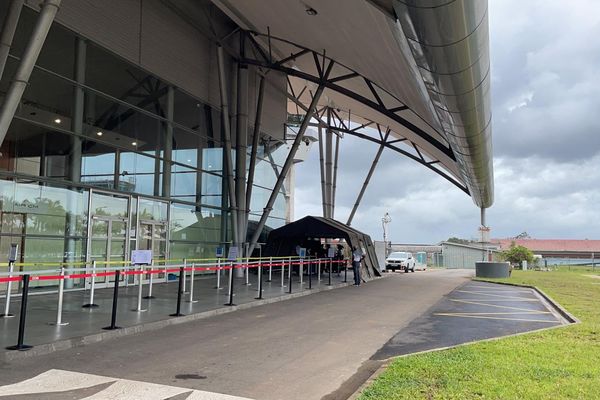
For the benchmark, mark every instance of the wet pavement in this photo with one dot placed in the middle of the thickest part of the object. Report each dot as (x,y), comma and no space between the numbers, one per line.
(474,311)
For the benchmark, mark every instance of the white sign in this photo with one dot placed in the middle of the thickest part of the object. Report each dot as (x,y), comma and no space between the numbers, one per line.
(141,257)
(233,253)
(331,252)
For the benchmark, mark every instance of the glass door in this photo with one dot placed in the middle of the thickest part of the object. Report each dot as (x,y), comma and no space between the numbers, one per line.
(153,236)
(108,236)
(12,231)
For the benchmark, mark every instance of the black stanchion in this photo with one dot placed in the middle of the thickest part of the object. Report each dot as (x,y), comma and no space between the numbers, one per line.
(345,272)
(231,279)
(22,317)
(330,268)
(260,280)
(291,276)
(179,293)
(113,318)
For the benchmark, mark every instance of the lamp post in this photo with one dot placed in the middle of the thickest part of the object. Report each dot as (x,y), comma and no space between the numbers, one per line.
(384,222)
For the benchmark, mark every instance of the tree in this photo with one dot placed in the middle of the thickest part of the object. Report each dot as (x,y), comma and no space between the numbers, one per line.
(454,239)
(517,254)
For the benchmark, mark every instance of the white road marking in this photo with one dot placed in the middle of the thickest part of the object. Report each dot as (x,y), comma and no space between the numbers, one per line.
(55,381)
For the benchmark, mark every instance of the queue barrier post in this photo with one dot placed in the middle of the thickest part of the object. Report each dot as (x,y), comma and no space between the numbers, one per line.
(179,292)
(191,298)
(290,269)
(309,275)
(151,279)
(91,304)
(218,273)
(301,272)
(319,269)
(7,314)
(330,269)
(140,290)
(184,275)
(59,307)
(290,278)
(230,286)
(23,315)
(270,269)
(260,291)
(282,273)
(247,272)
(113,317)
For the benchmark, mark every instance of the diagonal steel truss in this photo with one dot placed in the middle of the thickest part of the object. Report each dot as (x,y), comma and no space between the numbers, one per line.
(262,55)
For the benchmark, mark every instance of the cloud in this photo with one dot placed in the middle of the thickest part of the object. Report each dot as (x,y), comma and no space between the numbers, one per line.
(546,132)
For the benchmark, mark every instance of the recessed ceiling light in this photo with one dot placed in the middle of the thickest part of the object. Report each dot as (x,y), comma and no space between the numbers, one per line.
(57,121)
(311,11)
(134,143)
(99,133)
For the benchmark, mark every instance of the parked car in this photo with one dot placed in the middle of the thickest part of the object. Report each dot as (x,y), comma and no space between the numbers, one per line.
(400,260)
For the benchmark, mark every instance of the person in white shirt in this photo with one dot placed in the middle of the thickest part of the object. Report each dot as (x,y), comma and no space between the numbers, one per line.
(357,256)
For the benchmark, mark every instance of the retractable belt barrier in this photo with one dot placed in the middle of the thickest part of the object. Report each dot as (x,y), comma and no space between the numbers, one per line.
(189,265)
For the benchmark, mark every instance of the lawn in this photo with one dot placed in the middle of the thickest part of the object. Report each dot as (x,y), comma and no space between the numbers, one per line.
(562,363)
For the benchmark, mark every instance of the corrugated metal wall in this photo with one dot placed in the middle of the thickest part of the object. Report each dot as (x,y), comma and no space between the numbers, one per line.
(461,256)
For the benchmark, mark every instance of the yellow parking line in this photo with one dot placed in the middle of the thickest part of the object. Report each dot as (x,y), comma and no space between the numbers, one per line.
(496,300)
(492,305)
(498,318)
(492,295)
(503,289)
(501,313)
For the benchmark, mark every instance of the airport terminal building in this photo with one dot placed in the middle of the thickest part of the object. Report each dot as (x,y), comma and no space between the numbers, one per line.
(174,125)
(117,143)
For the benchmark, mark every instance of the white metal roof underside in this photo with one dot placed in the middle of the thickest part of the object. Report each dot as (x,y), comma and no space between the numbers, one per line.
(426,64)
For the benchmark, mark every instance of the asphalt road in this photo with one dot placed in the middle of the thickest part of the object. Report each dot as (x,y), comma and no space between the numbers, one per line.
(303,348)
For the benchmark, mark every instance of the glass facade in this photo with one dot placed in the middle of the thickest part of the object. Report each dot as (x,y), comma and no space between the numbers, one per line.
(94,169)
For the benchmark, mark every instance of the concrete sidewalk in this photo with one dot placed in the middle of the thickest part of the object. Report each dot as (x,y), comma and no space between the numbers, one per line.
(302,348)
(85,324)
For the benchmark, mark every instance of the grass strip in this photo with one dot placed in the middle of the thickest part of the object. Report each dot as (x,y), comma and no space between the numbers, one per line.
(561,363)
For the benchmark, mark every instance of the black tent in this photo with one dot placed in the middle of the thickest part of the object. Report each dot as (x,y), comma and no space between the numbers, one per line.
(283,241)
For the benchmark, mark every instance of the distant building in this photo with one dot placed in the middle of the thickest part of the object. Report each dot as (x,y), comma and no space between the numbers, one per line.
(557,251)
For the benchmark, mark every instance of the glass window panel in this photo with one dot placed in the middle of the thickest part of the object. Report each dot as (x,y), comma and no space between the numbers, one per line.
(259,200)
(183,182)
(152,210)
(47,210)
(118,78)
(212,159)
(137,172)
(109,206)
(188,224)
(98,164)
(34,150)
(58,51)
(212,187)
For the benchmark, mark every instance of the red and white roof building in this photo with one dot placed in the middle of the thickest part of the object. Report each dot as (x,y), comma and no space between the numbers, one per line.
(555,248)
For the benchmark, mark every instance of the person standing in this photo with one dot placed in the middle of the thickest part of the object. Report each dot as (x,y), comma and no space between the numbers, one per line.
(357,257)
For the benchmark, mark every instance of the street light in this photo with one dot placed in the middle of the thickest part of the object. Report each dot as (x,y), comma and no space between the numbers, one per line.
(384,222)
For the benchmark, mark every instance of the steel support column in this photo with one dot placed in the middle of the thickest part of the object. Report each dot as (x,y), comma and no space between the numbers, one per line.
(8,31)
(255,143)
(367,179)
(241,149)
(483,221)
(288,161)
(227,139)
(322,169)
(28,60)
(168,147)
(335,169)
(328,164)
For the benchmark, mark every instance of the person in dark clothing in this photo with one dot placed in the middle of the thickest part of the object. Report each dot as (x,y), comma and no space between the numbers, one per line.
(357,257)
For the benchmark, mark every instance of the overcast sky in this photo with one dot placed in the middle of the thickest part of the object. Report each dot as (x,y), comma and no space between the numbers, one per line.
(546,135)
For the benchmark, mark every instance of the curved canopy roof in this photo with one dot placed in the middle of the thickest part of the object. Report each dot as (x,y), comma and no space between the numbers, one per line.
(419,69)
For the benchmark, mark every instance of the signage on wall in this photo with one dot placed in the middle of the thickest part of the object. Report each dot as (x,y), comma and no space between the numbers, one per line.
(233,253)
(220,252)
(141,257)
